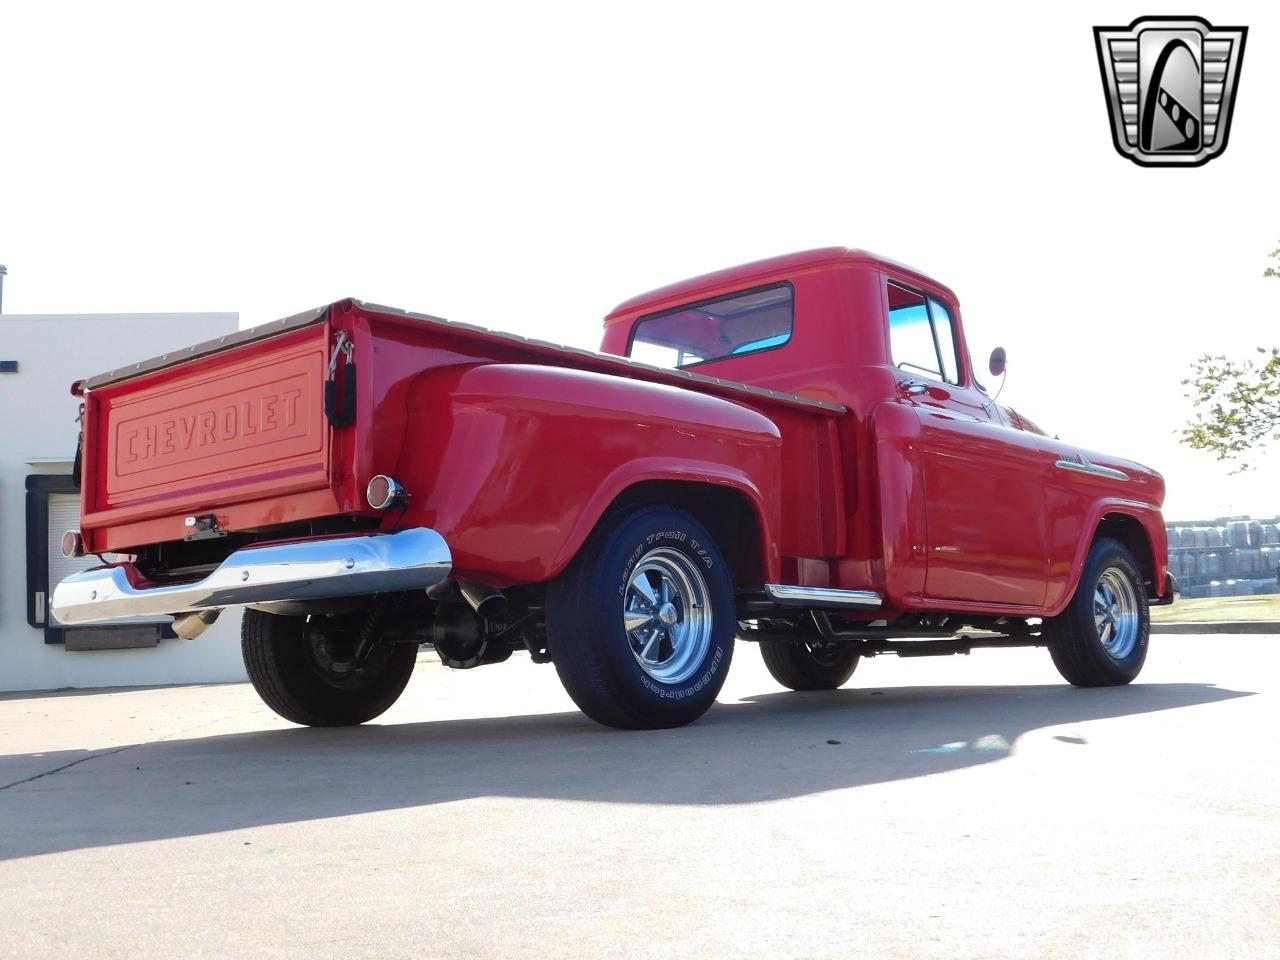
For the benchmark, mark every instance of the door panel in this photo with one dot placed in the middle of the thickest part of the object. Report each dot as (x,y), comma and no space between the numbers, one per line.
(985,505)
(983,483)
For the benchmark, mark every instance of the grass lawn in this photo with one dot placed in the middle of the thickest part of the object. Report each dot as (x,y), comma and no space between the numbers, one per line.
(1216,609)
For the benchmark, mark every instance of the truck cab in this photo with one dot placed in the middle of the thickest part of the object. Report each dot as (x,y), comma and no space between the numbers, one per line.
(953,501)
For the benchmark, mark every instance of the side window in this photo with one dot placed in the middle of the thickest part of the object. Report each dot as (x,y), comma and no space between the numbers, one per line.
(921,335)
(910,335)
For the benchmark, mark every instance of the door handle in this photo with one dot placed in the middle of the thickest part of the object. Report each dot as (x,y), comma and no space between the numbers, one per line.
(912,388)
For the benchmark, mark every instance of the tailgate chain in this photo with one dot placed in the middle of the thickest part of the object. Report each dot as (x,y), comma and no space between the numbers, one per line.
(340,404)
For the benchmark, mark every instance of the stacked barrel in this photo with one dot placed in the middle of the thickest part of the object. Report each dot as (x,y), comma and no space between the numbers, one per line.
(1230,556)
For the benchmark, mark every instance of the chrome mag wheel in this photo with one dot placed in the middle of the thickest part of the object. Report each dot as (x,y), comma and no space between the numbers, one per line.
(666,614)
(1115,613)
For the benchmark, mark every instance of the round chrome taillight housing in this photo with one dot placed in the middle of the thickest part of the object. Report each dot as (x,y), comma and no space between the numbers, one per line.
(385,492)
(72,544)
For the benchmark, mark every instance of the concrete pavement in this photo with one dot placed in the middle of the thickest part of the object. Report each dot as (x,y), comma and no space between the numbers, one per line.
(968,807)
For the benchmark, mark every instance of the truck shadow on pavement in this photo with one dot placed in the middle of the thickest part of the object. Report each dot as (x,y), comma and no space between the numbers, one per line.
(768,747)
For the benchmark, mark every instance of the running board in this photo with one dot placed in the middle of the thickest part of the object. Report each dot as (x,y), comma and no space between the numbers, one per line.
(822,598)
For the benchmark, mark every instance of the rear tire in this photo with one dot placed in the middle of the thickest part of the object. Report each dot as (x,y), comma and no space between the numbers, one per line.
(641,624)
(297,668)
(1100,639)
(798,666)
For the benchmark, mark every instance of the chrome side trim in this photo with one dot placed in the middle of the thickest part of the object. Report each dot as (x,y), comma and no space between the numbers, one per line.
(1083,465)
(305,570)
(826,597)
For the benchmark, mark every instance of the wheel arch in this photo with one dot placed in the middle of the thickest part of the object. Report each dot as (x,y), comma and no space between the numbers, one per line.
(1129,531)
(727,504)
(1139,527)
(727,512)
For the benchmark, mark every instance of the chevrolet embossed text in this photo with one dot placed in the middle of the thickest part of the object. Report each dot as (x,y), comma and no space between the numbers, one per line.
(217,427)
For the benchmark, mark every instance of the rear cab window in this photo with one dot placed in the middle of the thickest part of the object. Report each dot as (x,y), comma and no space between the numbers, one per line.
(922,335)
(734,325)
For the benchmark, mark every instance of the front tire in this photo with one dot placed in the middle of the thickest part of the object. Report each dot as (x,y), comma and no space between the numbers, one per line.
(799,666)
(1100,639)
(641,625)
(297,666)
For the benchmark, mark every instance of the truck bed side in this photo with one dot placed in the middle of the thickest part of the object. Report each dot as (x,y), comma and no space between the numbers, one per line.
(460,414)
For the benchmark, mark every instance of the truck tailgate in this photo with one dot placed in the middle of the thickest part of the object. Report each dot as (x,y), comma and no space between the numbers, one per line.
(242,425)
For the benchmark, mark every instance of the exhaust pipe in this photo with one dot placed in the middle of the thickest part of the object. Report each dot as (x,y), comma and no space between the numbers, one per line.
(488,603)
(191,625)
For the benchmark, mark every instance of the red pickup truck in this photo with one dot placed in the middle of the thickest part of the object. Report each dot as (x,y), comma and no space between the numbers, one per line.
(795,452)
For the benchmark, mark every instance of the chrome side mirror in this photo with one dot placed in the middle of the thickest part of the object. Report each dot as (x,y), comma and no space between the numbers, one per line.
(997,362)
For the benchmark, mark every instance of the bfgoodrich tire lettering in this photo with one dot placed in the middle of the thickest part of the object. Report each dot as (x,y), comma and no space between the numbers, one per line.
(1100,639)
(641,625)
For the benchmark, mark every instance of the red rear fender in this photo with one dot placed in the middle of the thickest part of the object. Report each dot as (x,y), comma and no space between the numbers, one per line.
(515,463)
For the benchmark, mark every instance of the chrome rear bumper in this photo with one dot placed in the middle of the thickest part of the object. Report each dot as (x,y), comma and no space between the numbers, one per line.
(305,570)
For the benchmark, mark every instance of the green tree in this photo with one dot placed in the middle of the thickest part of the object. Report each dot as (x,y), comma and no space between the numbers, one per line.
(1236,404)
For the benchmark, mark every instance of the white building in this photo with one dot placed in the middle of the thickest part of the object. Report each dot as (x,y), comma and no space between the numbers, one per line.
(40,356)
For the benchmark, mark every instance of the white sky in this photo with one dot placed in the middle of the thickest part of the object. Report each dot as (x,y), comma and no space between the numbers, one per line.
(528,166)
